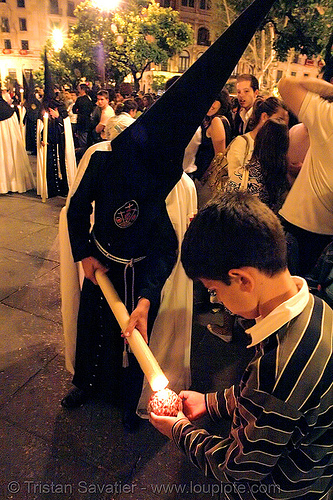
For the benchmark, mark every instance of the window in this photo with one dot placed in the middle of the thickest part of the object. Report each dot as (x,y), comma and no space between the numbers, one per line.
(203,37)
(24,44)
(205,4)
(54,7)
(21,3)
(5,25)
(12,74)
(70,9)
(293,73)
(2,1)
(8,44)
(188,3)
(23,24)
(184,61)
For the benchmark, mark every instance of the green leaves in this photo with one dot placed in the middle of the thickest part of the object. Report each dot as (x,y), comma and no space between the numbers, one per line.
(131,38)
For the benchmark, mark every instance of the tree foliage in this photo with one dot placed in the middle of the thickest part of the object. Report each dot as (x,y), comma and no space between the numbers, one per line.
(109,45)
(303,25)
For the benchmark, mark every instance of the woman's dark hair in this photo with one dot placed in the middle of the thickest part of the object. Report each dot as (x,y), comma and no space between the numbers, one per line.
(225,109)
(126,106)
(140,103)
(149,99)
(261,105)
(270,150)
(234,230)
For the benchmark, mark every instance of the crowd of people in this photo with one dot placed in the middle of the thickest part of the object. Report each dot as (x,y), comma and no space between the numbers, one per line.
(261,167)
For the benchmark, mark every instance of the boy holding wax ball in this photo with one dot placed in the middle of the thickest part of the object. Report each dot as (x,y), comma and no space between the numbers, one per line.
(280,443)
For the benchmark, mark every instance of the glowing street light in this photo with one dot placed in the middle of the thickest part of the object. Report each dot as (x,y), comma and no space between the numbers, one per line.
(57,39)
(106,5)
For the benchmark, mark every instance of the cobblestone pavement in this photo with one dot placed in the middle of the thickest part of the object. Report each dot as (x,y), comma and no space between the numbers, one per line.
(46,451)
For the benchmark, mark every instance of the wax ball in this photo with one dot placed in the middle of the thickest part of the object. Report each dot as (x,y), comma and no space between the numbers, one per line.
(165,402)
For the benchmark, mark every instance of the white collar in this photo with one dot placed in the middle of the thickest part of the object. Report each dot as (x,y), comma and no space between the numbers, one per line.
(245,115)
(285,312)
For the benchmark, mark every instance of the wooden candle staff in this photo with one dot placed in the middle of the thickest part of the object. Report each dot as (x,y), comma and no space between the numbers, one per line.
(44,178)
(140,349)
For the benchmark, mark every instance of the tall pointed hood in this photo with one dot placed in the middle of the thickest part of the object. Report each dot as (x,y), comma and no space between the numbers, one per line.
(153,146)
(48,82)
(17,89)
(157,139)
(25,86)
(32,104)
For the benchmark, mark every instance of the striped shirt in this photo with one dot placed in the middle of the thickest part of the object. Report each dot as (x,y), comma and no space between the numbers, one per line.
(280,445)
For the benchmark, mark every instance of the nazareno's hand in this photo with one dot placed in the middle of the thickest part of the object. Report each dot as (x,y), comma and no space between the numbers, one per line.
(90,264)
(138,319)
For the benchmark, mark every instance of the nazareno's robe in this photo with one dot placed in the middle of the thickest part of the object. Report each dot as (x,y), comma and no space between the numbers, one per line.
(119,230)
(15,171)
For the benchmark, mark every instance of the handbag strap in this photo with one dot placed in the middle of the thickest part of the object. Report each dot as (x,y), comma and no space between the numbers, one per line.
(245,175)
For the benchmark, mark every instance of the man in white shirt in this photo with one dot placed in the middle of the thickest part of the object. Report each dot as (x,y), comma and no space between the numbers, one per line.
(308,210)
(106,112)
(247,91)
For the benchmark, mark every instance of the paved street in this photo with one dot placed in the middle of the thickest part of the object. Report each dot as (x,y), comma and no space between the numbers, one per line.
(46,451)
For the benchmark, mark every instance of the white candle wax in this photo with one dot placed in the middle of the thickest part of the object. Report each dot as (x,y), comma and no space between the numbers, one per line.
(140,349)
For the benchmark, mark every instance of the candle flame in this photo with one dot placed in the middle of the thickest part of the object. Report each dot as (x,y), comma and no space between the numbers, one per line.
(45,115)
(159,382)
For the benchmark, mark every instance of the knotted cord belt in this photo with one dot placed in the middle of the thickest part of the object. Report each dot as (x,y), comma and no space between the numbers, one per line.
(129,264)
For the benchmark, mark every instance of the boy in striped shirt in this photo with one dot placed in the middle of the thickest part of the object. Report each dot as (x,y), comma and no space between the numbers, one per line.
(280,445)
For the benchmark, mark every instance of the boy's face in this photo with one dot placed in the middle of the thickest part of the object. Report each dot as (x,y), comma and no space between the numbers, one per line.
(245,93)
(234,297)
(102,101)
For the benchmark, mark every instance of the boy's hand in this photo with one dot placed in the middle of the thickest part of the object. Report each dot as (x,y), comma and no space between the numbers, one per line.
(165,424)
(193,404)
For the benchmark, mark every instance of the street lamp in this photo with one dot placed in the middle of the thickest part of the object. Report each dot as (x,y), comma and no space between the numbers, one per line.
(106,5)
(57,39)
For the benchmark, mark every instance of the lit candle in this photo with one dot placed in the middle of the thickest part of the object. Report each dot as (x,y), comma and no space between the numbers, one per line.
(140,349)
(45,130)
(21,92)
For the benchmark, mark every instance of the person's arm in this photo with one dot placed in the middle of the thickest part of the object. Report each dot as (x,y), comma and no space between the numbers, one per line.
(217,134)
(236,154)
(160,259)
(261,430)
(100,127)
(293,90)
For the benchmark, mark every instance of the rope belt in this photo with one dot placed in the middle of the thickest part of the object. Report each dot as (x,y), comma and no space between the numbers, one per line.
(128,263)
(108,255)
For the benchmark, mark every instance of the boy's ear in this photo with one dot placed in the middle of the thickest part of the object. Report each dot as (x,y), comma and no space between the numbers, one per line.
(243,278)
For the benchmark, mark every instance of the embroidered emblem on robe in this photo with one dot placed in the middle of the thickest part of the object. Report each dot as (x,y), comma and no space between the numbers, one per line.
(126,215)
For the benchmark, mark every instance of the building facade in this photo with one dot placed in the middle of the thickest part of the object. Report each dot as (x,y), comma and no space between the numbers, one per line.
(197,13)
(25,25)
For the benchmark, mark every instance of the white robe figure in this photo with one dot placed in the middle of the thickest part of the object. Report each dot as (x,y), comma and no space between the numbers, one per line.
(15,172)
(69,157)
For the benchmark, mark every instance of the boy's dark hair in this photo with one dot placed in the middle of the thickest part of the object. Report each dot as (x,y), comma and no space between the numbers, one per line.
(247,77)
(104,93)
(234,230)
(84,87)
